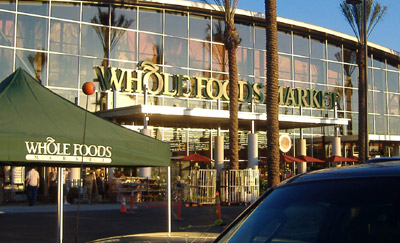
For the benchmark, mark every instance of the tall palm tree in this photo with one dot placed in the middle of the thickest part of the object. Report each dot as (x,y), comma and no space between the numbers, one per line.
(354,15)
(272,93)
(231,41)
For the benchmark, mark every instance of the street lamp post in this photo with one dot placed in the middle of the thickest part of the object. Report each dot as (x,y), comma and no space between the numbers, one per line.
(366,142)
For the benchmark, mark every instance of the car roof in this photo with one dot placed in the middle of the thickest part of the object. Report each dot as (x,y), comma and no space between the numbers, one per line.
(382,159)
(371,170)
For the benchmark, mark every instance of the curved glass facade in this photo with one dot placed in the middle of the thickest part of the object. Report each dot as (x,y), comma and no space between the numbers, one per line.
(59,43)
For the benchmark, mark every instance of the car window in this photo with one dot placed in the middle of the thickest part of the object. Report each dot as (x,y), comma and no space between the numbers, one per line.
(356,210)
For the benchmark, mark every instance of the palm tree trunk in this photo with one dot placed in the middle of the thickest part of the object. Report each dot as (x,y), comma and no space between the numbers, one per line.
(233,109)
(362,114)
(272,93)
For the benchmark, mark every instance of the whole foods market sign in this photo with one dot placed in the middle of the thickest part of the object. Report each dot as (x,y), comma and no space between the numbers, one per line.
(147,76)
(50,150)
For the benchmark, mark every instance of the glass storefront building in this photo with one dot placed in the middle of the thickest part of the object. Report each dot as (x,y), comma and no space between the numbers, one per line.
(61,42)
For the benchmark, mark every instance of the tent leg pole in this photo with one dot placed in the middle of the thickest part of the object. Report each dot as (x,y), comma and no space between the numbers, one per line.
(60,205)
(169,201)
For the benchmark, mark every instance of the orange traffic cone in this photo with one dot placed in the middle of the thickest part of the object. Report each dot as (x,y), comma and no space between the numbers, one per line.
(123,205)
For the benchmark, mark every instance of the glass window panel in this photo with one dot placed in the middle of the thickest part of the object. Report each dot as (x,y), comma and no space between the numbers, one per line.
(219,58)
(351,76)
(220,76)
(150,48)
(285,67)
(369,78)
(318,49)
(378,63)
(379,80)
(65,10)
(261,41)
(392,66)
(300,45)
(124,45)
(7,29)
(393,82)
(93,41)
(245,34)
(370,102)
(124,17)
(334,52)
(6,62)
(301,69)
(352,128)
(218,29)
(260,63)
(245,61)
(127,65)
(318,71)
(334,74)
(9,5)
(70,95)
(351,99)
(381,125)
(33,7)
(86,69)
(35,63)
(32,32)
(150,20)
(349,56)
(380,103)
(64,37)
(175,52)
(96,14)
(394,128)
(393,104)
(63,71)
(284,42)
(200,27)
(176,24)
(199,55)
(196,73)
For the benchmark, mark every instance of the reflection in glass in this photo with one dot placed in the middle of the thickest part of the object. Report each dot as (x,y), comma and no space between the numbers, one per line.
(261,42)
(9,5)
(318,71)
(199,27)
(318,49)
(334,52)
(284,42)
(92,11)
(378,63)
(218,31)
(219,58)
(64,37)
(300,45)
(124,17)
(150,20)
(199,55)
(65,10)
(125,48)
(109,38)
(259,63)
(349,56)
(334,74)
(6,62)
(70,95)
(176,24)
(175,52)
(91,44)
(6,29)
(96,102)
(370,101)
(381,127)
(350,75)
(371,127)
(31,32)
(63,71)
(33,7)
(393,82)
(150,48)
(301,69)
(245,34)
(393,104)
(379,80)
(351,99)
(380,103)
(35,63)
(245,61)
(285,67)
(394,128)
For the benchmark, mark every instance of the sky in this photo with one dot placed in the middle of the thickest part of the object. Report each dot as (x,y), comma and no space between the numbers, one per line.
(327,13)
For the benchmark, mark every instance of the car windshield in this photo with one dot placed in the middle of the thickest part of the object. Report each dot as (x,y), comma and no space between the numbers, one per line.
(357,210)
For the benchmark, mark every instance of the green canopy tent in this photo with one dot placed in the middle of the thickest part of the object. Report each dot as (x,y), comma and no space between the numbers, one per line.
(39,127)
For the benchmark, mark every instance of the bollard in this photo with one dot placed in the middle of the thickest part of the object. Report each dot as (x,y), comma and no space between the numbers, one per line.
(131,208)
(178,207)
(218,202)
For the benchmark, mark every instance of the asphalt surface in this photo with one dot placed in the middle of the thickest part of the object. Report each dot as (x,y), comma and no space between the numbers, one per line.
(22,223)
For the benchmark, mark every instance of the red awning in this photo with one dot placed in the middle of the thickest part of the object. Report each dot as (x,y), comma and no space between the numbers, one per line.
(289,159)
(340,159)
(310,159)
(195,157)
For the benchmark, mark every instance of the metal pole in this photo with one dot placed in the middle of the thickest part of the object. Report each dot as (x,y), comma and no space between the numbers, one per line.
(60,204)
(169,201)
(366,82)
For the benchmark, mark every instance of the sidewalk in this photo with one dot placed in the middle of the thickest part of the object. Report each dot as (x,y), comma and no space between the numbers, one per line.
(40,208)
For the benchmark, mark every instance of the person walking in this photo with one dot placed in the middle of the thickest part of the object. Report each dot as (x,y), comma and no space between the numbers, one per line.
(32,184)
(52,184)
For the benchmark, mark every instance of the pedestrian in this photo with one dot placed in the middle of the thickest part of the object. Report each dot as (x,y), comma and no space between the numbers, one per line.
(32,184)
(52,184)
(66,185)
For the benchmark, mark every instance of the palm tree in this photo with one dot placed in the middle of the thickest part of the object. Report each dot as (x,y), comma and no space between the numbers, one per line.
(354,15)
(231,41)
(272,93)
